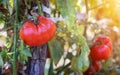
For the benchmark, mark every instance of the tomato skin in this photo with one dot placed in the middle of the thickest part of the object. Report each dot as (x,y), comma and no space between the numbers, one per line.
(39,34)
(102,48)
(99,53)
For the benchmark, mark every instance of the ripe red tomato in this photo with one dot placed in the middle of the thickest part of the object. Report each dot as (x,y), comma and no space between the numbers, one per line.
(94,67)
(102,48)
(90,71)
(100,52)
(37,34)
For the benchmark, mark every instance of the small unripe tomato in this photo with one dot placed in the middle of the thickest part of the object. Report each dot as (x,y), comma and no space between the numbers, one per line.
(37,34)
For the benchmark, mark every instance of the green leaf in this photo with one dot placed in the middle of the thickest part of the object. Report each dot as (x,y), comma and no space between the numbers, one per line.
(56,50)
(3,53)
(67,9)
(1,61)
(26,52)
(23,58)
(50,72)
(80,62)
(10,8)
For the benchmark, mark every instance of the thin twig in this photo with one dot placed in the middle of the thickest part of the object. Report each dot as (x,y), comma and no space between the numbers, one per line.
(86,4)
(63,68)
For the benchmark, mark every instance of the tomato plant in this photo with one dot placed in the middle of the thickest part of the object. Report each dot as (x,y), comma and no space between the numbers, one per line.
(37,34)
(77,22)
(101,49)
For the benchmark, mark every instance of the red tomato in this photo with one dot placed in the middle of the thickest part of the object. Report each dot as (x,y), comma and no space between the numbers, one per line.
(37,34)
(102,48)
(100,52)
(94,67)
(90,71)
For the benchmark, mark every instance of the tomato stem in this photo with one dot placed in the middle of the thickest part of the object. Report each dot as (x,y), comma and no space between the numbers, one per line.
(34,16)
(15,39)
(35,20)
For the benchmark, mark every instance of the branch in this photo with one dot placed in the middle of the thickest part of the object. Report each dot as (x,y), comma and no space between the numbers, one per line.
(86,4)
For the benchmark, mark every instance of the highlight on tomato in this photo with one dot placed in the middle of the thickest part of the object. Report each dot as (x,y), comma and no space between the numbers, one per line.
(103,40)
(37,34)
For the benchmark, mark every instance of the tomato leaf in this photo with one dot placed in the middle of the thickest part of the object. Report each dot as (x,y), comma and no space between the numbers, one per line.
(56,50)
(26,52)
(50,72)
(9,6)
(80,62)
(67,9)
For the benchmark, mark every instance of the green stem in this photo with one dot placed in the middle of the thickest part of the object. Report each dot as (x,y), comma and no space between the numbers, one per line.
(15,38)
(39,7)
